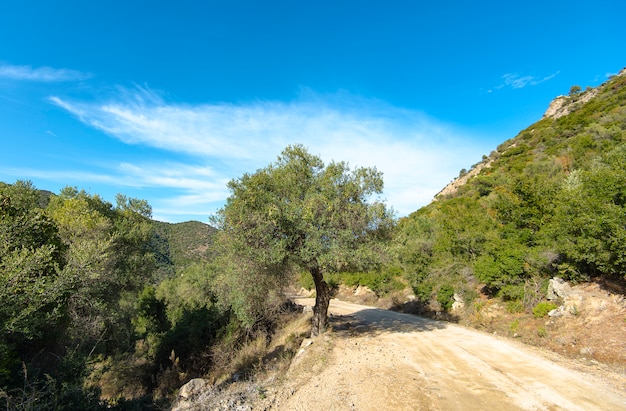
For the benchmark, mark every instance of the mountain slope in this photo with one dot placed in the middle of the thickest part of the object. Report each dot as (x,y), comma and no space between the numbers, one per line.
(549,202)
(182,244)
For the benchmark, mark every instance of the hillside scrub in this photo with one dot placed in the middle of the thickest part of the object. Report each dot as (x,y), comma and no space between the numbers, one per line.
(551,203)
(102,308)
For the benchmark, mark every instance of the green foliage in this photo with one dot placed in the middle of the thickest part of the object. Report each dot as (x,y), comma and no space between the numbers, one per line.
(543,308)
(552,201)
(299,213)
(305,280)
(574,90)
(33,287)
(381,283)
(445,297)
(180,245)
(591,221)
(70,274)
(514,306)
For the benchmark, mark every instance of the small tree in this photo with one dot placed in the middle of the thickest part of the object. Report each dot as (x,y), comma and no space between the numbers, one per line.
(298,213)
(574,90)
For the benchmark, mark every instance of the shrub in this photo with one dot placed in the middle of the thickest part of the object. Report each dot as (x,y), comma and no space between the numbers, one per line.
(514,306)
(306,281)
(542,309)
(445,297)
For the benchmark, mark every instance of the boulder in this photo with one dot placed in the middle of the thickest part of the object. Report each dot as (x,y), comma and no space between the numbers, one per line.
(458,303)
(188,394)
(558,288)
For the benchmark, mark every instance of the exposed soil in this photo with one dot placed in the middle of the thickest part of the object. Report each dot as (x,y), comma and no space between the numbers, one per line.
(376,359)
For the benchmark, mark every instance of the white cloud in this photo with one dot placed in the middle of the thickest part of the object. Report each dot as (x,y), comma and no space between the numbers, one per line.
(60,175)
(516,81)
(41,74)
(417,154)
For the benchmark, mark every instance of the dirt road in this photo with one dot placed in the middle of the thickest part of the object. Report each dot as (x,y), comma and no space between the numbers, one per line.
(383,360)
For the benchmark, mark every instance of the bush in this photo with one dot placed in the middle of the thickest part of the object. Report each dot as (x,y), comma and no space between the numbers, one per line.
(445,297)
(514,307)
(542,309)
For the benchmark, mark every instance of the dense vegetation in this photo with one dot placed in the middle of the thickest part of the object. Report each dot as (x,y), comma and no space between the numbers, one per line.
(549,202)
(104,308)
(101,306)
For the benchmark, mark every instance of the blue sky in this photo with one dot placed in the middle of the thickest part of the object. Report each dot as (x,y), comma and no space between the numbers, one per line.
(168,101)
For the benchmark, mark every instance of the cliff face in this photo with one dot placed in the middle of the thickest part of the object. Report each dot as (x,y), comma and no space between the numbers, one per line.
(563,105)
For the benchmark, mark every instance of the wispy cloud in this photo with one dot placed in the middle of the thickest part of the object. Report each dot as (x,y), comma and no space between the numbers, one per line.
(61,175)
(417,154)
(517,81)
(40,74)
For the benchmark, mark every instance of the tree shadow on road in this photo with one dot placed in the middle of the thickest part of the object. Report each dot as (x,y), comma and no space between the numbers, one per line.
(374,322)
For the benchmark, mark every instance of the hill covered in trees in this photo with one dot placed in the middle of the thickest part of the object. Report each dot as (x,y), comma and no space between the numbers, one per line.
(549,202)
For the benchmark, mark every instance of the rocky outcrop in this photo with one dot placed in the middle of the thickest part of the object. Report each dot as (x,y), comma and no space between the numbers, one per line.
(199,395)
(558,289)
(563,105)
(453,186)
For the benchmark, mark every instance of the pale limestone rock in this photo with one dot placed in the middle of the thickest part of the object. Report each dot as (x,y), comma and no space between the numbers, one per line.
(558,288)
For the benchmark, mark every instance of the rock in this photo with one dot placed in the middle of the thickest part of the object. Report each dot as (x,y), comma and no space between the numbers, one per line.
(586,351)
(557,312)
(555,108)
(306,293)
(362,290)
(558,288)
(192,388)
(563,105)
(188,393)
(458,303)
(458,182)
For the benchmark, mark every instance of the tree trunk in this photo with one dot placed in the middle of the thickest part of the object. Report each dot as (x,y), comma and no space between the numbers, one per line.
(322,301)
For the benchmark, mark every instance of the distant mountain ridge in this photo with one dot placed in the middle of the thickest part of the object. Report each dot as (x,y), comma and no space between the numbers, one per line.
(178,245)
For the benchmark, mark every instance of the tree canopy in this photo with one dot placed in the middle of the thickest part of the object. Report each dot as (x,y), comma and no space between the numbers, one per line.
(299,214)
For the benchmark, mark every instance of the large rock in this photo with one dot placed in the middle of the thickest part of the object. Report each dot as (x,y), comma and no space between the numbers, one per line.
(188,393)
(558,288)
(458,303)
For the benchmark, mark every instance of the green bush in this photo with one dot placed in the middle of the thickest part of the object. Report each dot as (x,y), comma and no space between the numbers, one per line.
(445,297)
(542,309)
(306,281)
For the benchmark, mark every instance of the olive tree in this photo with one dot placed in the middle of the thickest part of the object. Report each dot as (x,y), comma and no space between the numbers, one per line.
(298,213)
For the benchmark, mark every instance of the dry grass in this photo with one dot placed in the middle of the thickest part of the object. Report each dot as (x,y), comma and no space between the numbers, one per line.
(263,353)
